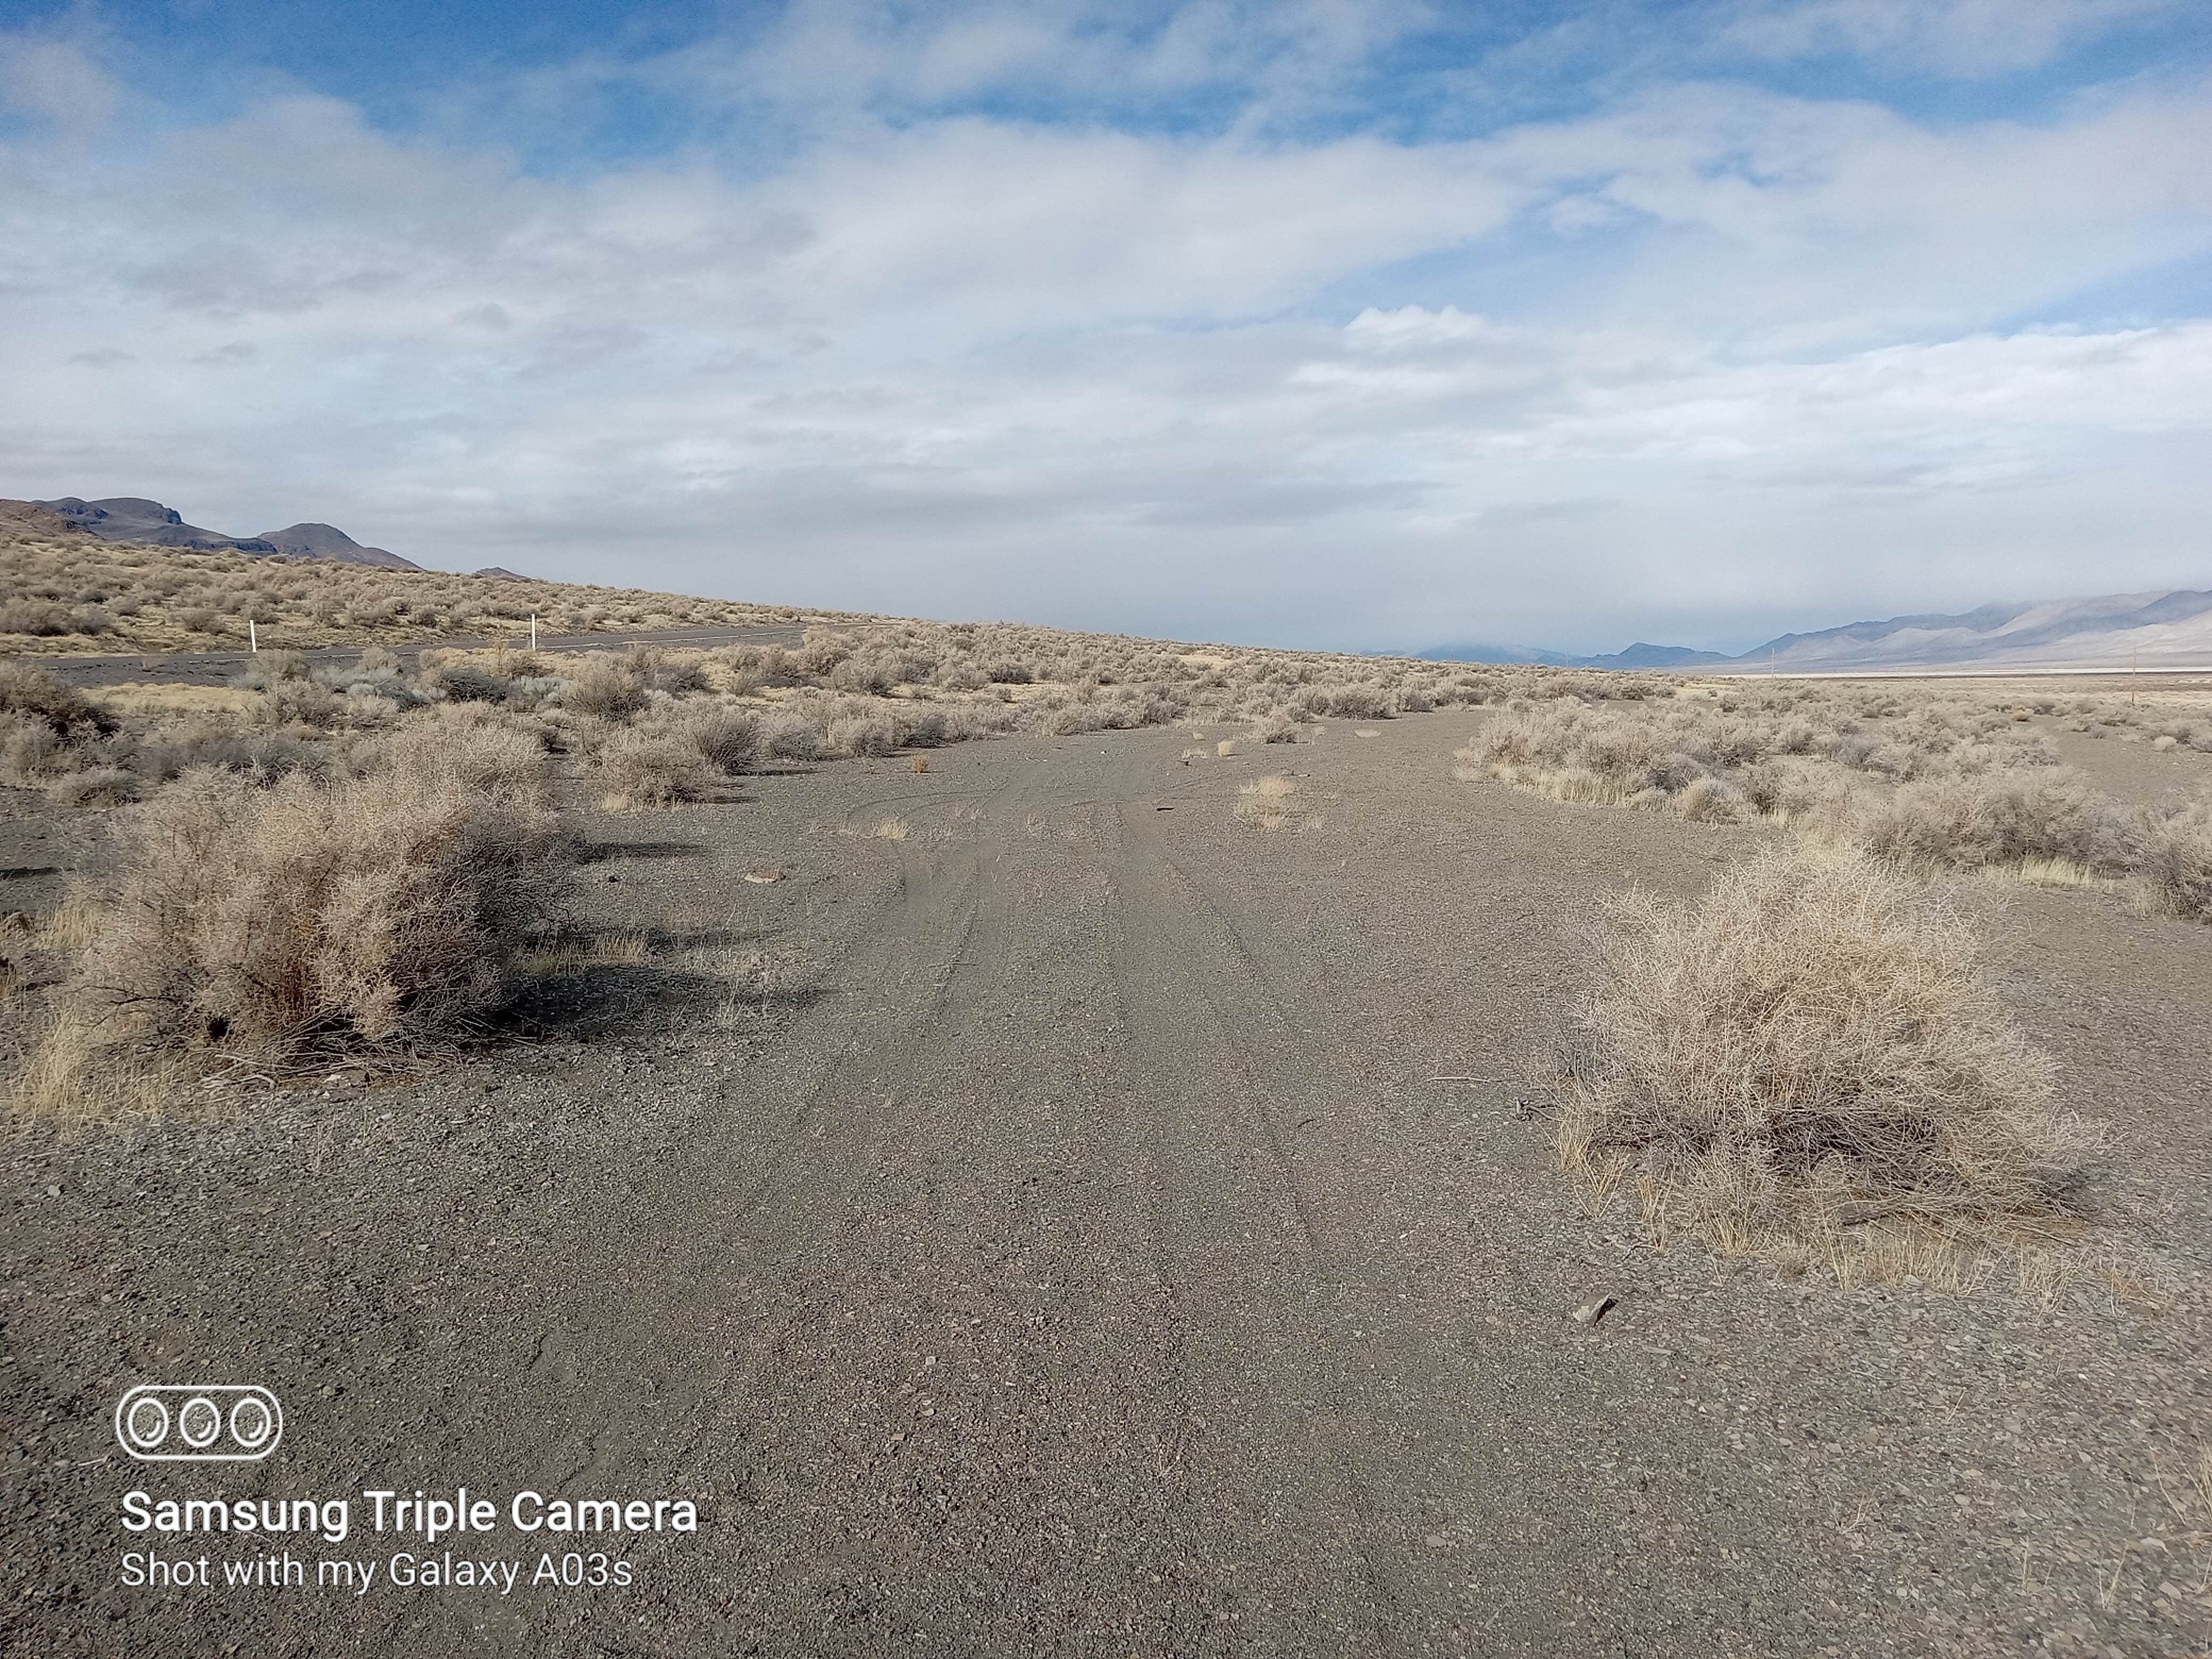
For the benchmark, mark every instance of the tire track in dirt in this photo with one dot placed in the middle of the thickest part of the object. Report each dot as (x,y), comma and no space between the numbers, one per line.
(663,1314)
(965,1529)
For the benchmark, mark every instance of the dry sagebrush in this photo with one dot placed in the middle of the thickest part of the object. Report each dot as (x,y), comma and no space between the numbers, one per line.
(1932,783)
(373,912)
(2176,860)
(75,592)
(1806,1047)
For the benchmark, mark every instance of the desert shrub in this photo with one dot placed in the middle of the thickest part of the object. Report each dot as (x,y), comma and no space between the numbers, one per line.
(862,734)
(287,701)
(39,696)
(49,731)
(458,680)
(791,737)
(751,666)
(2176,863)
(1671,774)
(865,675)
(1276,726)
(1798,791)
(1007,671)
(2008,817)
(658,670)
(608,688)
(728,739)
(366,912)
(979,720)
(650,769)
(1154,706)
(32,752)
(1512,740)
(1361,703)
(98,786)
(268,667)
(259,758)
(486,751)
(821,649)
(928,729)
(35,617)
(1709,800)
(1076,720)
(533,690)
(1810,1044)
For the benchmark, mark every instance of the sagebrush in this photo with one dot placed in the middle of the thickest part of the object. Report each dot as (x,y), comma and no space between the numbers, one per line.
(1811,1045)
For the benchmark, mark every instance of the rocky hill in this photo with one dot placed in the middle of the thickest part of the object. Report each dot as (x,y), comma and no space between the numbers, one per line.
(137,519)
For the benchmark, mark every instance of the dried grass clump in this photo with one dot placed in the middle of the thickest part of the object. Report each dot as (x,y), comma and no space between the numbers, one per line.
(1269,802)
(1810,1047)
(370,913)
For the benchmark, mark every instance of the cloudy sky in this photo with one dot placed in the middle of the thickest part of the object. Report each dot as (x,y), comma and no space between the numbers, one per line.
(1360,323)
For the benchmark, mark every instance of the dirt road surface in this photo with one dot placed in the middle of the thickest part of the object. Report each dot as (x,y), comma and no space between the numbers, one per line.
(1104,1228)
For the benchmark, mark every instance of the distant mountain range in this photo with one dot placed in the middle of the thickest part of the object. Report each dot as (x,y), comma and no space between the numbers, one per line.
(2166,630)
(135,519)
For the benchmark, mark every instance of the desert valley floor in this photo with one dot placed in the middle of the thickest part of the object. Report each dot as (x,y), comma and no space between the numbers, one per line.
(1111,1228)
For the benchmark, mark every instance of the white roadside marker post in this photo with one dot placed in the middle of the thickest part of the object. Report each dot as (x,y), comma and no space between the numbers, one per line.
(253,638)
(533,633)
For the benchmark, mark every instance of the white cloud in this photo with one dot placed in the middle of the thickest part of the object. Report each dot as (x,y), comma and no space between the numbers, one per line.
(55,78)
(1701,358)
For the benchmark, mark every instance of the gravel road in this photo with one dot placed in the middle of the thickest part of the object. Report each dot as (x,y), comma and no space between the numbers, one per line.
(1104,1229)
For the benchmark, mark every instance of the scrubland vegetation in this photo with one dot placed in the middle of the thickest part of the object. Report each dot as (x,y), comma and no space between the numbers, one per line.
(365,858)
(1804,1063)
(77,593)
(652,727)
(353,857)
(1928,782)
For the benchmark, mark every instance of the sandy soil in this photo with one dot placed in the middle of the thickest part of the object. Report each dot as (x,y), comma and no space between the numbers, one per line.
(1111,1228)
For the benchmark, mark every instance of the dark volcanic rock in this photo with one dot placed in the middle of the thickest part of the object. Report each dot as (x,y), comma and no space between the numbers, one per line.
(135,519)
